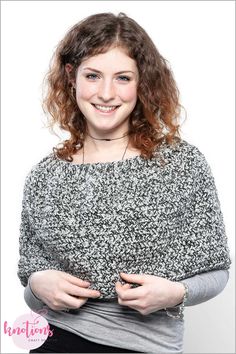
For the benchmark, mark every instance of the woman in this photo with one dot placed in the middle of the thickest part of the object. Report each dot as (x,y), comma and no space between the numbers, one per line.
(121,224)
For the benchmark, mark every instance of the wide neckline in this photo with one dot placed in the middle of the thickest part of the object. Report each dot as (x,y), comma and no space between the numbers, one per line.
(99,164)
(128,162)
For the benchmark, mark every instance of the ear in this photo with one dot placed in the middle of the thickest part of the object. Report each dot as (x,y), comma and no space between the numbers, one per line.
(69,69)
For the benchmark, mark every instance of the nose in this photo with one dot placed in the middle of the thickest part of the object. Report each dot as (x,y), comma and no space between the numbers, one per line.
(106,90)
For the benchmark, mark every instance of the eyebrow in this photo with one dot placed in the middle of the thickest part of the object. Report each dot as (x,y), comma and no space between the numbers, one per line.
(99,72)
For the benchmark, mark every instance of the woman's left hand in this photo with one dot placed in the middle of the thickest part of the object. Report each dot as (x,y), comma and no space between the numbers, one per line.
(153,294)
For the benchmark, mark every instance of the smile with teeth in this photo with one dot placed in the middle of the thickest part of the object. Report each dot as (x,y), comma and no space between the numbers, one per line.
(105,108)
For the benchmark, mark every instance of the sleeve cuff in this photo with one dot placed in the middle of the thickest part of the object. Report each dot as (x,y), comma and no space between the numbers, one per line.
(34,303)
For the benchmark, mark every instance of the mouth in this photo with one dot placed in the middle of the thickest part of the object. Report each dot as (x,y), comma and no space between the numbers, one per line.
(105,109)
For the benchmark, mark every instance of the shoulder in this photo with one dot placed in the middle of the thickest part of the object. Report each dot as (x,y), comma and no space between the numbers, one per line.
(186,161)
(39,171)
(184,154)
(181,148)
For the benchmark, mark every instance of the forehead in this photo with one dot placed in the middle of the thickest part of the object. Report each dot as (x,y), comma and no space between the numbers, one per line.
(114,59)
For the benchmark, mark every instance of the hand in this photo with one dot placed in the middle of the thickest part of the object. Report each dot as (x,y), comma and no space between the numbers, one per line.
(60,290)
(155,293)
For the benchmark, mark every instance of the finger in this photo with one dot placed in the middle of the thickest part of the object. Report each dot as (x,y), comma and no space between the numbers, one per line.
(133,278)
(119,288)
(134,304)
(126,286)
(71,302)
(77,281)
(127,294)
(123,286)
(88,293)
(75,290)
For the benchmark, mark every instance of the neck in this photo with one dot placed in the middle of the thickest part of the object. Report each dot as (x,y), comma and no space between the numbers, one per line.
(96,143)
(108,139)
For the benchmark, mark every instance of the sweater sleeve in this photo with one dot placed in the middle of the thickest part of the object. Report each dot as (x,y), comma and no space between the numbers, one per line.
(205,286)
(32,257)
(202,227)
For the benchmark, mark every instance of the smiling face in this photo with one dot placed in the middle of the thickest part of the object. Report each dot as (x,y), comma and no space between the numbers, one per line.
(106,91)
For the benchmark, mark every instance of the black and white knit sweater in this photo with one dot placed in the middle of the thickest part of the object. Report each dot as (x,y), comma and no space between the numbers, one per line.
(135,216)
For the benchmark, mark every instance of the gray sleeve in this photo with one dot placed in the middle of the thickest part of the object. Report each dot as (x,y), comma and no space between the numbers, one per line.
(203,287)
(34,303)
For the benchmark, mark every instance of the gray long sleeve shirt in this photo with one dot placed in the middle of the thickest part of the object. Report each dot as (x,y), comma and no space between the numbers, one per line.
(134,216)
(108,323)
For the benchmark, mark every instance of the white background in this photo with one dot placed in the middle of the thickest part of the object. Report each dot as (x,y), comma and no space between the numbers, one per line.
(197,38)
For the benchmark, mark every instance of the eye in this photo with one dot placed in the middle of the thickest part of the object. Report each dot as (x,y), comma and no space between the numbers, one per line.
(124,78)
(91,76)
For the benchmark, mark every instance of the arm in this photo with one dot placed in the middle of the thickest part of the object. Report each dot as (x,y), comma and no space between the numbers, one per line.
(203,229)
(156,293)
(45,281)
(34,303)
(197,289)
(205,286)
(32,257)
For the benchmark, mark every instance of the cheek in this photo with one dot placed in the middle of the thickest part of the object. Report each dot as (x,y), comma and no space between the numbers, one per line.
(128,94)
(84,92)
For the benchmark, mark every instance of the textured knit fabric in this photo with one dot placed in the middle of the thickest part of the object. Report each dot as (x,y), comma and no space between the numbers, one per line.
(134,216)
(108,323)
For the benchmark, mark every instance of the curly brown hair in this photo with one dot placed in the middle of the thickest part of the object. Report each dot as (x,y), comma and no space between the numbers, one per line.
(155,116)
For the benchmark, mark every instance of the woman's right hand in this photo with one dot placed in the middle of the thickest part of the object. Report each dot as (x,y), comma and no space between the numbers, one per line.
(60,290)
